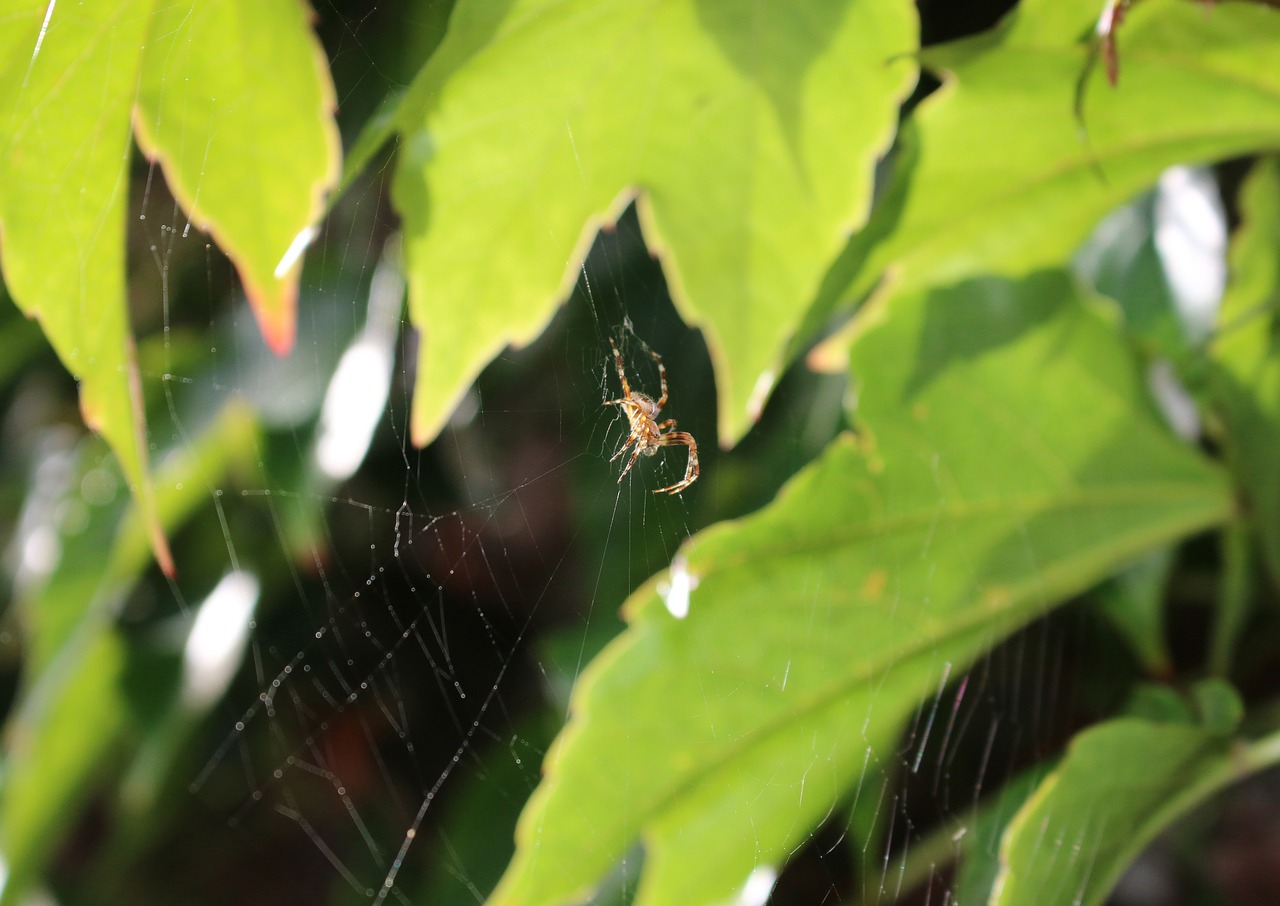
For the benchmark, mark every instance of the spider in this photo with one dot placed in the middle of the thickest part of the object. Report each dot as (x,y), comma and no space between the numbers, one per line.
(646,431)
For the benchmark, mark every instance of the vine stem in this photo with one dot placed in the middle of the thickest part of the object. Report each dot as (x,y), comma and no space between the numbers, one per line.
(1233,602)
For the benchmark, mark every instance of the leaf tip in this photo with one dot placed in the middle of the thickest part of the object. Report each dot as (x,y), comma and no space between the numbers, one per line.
(275,308)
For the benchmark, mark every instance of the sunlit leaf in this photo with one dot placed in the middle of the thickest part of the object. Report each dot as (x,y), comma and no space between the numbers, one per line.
(746,133)
(979,493)
(1247,377)
(67,83)
(1005,174)
(236,102)
(1119,785)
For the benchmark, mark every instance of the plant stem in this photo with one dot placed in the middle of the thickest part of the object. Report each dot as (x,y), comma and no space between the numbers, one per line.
(1233,600)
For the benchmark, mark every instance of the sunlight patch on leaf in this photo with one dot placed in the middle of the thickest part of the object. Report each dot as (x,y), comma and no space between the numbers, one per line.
(722,740)
(746,134)
(1191,237)
(215,645)
(677,587)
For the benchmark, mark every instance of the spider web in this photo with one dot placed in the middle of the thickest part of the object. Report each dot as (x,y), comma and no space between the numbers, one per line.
(404,694)
(426,660)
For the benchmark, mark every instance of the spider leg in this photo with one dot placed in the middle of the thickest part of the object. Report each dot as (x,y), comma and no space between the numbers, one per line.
(669,423)
(630,440)
(691,470)
(622,374)
(662,376)
(630,462)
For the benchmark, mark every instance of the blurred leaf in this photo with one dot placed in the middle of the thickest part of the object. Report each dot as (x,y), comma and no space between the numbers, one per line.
(1119,259)
(981,863)
(375,133)
(236,102)
(20,342)
(1119,785)
(1001,176)
(1133,600)
(722,739)
(1158,703)
(89,583)
(65,95)
(67,724)
(746,133)
(1247,376)
(1218,706)
(73,710)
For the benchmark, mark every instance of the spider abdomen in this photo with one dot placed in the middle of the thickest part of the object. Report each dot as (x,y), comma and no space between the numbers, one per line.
(645,404)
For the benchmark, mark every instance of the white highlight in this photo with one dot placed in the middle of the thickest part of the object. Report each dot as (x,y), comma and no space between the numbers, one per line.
(1174,401)
(361,384)
(756,889)
(354,403)
(676,590)
(44,30)
(216,643)
(296,248)
(1106,19)
(760,393)
(39,552)
(48,512)
(1191,240)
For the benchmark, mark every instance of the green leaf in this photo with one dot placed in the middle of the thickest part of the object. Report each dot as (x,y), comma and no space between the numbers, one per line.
(1120,260)
(1246,378)
(1119,785)
(1158,703)
(66,86)
(236,102)
(746,133)
(980,864)
(66,726)
(1218,706)
(1000,174)
(1133,601)
(73,713)
(723,738)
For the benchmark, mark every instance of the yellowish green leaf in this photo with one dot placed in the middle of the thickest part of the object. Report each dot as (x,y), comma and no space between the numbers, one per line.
(236,103)
(746,133)
(68,75)
(1007,168)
